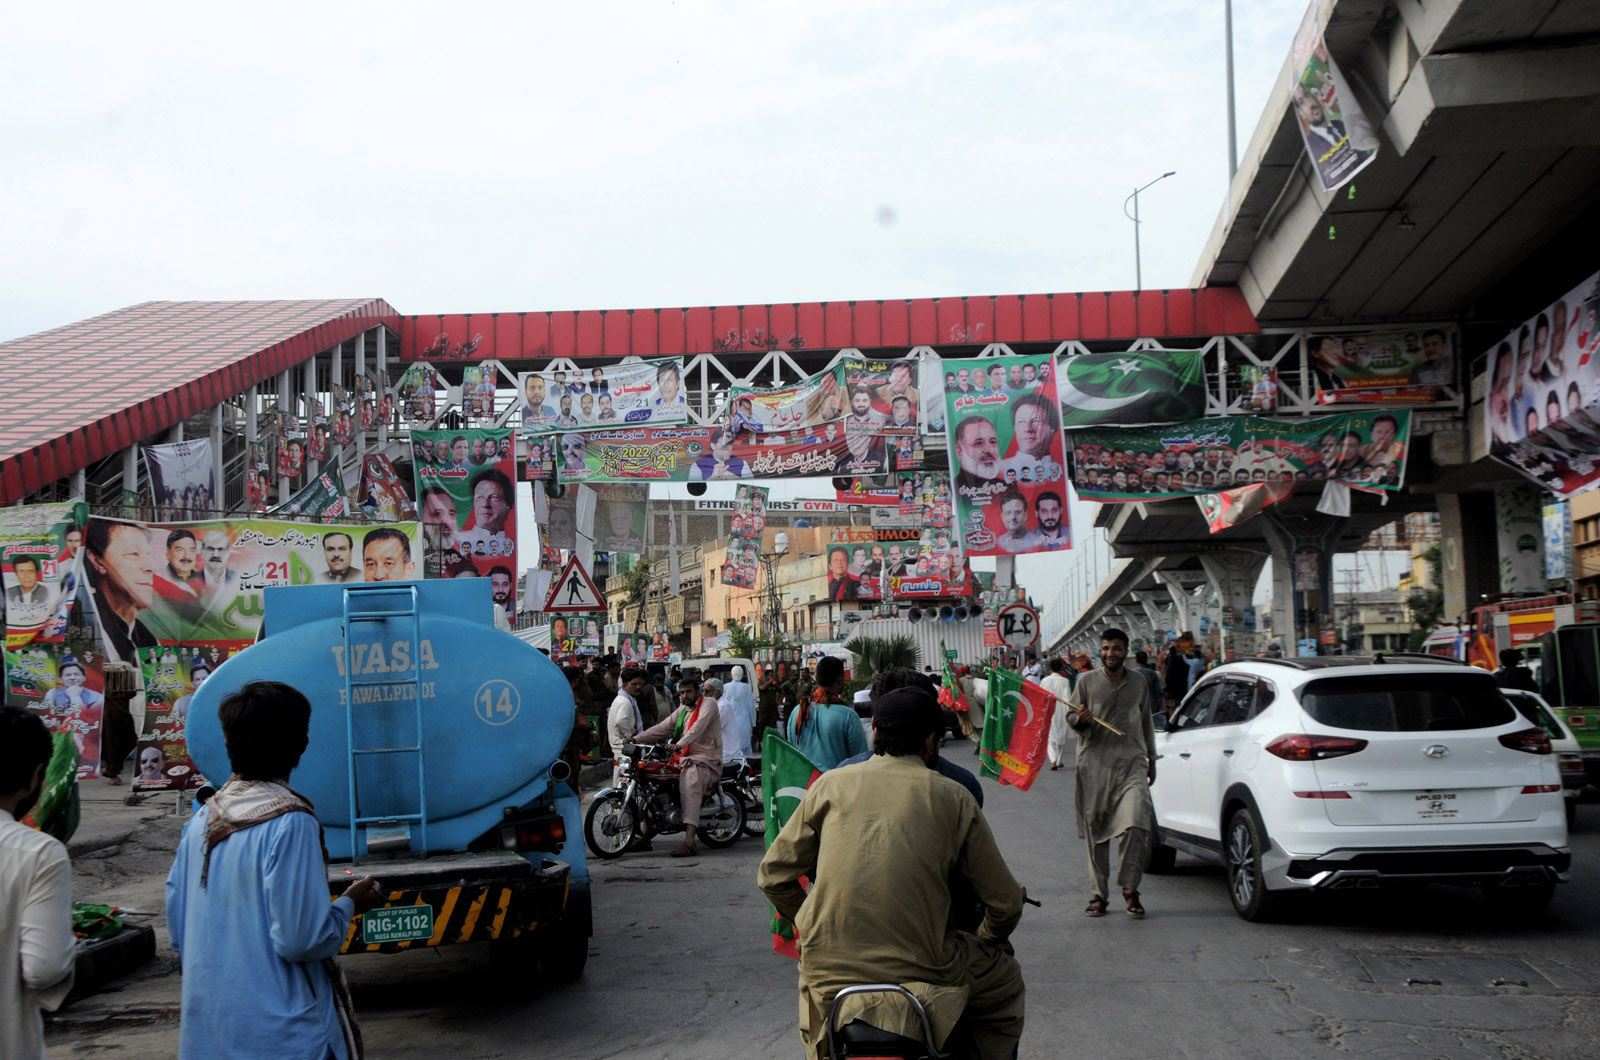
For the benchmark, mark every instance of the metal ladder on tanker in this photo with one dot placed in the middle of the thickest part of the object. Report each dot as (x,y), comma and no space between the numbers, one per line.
(354,615)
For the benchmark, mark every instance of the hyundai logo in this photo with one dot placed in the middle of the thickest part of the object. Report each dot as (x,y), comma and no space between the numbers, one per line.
(1436,750)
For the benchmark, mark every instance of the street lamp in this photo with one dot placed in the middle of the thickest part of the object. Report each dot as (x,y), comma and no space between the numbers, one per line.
(1138,271)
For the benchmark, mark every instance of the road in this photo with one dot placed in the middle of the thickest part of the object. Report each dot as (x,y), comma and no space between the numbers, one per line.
(680,967)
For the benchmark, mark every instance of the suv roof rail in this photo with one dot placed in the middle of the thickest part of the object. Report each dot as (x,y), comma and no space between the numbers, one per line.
(1416,656)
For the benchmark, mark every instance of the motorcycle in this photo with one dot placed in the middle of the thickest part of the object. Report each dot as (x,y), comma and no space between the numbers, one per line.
(647,795)
(746,778)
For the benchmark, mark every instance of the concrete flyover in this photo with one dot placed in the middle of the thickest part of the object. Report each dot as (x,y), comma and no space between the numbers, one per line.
(1482,204)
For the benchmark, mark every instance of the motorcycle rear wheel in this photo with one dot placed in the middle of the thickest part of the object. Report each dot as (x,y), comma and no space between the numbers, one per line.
(609,827)
(721,820)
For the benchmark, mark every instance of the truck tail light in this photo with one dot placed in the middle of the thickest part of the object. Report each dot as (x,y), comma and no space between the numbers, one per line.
(1300,747)
(1533,741)
(538,833)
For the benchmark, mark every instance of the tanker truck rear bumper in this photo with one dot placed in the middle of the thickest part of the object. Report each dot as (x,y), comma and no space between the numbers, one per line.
(438,901)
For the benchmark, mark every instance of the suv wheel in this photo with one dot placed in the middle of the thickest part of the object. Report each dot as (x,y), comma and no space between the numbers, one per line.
(1242,856)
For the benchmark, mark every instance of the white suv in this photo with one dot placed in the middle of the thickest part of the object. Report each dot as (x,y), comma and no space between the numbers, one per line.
(1338,772)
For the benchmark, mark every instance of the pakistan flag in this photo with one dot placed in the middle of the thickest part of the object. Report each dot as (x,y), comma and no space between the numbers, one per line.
(1128,389)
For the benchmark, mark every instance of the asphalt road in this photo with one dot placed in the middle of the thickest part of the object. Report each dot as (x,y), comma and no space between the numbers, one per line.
(681,967)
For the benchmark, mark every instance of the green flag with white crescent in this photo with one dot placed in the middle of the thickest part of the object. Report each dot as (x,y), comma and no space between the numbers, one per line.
(1129,389)
(785,776)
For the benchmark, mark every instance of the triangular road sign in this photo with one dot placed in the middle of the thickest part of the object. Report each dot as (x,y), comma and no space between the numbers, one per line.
(573,590)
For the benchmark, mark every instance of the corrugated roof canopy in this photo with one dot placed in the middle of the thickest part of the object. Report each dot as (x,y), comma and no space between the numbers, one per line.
(79,393)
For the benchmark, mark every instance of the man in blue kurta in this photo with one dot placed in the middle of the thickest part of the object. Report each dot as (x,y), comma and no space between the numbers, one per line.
(826,731)
(247,901)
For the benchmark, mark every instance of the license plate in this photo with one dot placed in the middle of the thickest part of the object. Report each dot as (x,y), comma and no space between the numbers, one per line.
(1437,805)
(404,923)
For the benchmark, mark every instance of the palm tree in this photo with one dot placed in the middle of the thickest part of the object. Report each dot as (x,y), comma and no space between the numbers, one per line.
(874,655)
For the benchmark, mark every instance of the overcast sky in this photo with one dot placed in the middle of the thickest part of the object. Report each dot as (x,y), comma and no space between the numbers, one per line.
(495,157)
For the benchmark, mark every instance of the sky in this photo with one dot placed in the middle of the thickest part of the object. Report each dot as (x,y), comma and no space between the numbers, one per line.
(500,157)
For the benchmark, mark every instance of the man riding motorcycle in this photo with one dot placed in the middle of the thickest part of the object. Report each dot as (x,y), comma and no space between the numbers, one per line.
(880,839)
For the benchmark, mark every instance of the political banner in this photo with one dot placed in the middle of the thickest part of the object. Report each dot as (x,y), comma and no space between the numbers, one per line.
(1126,389)
(744,536)
(182,477)
(1260,383)
(172,675)
(1558,558)
(540,463)
(576,634)
(1228,508)
(1366,451)
(620,518)
(854,491)
(65,689)
(810,403)
(383,497)
(467,493)
(40,558)
(1542,413)
(708,454)
(199,583)
(419,391)
(1006,456)
(477,390)
(1336,133)
(322,497)
(1016,728)
(926,496)
(895,558)
(1406,366)
(634,394)
(882,398)
(291,456)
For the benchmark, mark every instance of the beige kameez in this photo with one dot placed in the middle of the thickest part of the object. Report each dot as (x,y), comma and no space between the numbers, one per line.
(880,840)
(1113,781)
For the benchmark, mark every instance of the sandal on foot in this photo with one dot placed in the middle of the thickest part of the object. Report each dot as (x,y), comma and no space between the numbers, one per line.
(1096,907)
(1131,900)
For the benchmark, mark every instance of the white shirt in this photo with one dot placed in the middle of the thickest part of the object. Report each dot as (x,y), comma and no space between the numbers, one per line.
(37,949)
(738,710)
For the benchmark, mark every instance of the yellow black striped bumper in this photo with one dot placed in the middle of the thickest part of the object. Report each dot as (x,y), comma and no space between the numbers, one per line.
(473,911)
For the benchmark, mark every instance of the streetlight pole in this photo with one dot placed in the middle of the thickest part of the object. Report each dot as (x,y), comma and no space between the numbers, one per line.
(1138,269)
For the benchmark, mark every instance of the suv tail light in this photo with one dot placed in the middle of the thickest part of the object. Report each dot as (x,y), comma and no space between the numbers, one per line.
(1299,747)
(1533,741)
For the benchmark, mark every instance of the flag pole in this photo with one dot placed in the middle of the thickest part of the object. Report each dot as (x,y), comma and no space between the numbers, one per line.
(1065,702)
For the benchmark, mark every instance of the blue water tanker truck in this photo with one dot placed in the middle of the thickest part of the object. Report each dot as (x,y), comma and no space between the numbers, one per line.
(433,764)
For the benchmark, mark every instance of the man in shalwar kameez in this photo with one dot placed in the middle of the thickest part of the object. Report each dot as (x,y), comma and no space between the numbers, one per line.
(1114,771)
(880,840)
(696,733)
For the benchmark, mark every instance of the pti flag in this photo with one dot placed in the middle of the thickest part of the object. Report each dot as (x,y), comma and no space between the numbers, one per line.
(1016,725)
(1131,389)
(785,776)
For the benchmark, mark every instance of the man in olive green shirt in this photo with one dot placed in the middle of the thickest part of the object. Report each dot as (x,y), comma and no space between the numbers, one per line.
(880,839)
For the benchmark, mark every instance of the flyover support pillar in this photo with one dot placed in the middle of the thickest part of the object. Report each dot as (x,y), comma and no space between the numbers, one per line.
(1303,572)
(1233,577)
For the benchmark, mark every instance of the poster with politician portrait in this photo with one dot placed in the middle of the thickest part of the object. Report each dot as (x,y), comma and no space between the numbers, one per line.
(636,393)
(466,494)
(1006,458)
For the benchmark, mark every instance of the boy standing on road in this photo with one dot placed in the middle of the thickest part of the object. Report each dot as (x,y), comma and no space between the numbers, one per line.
(247,900)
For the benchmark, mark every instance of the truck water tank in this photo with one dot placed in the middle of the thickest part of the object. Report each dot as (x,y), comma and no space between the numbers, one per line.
(494,711)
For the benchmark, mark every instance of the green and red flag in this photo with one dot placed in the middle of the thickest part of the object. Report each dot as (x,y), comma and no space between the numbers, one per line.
(951,695)
(785,776)
(1016,729)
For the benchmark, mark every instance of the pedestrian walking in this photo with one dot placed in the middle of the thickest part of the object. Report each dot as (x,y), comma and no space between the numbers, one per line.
(1059,684)
(1115,770)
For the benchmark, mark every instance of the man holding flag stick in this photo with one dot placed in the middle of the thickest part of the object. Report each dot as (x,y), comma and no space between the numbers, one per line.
(1116,765)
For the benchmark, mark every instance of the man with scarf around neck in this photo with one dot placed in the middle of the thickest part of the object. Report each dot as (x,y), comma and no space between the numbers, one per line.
(694,731)
(247,901)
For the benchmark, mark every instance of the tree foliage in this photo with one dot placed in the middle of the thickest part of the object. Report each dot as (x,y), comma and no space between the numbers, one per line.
(873,655)
(1427,604)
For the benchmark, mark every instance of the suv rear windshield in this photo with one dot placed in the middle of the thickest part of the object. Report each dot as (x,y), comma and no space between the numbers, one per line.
(1407,702)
